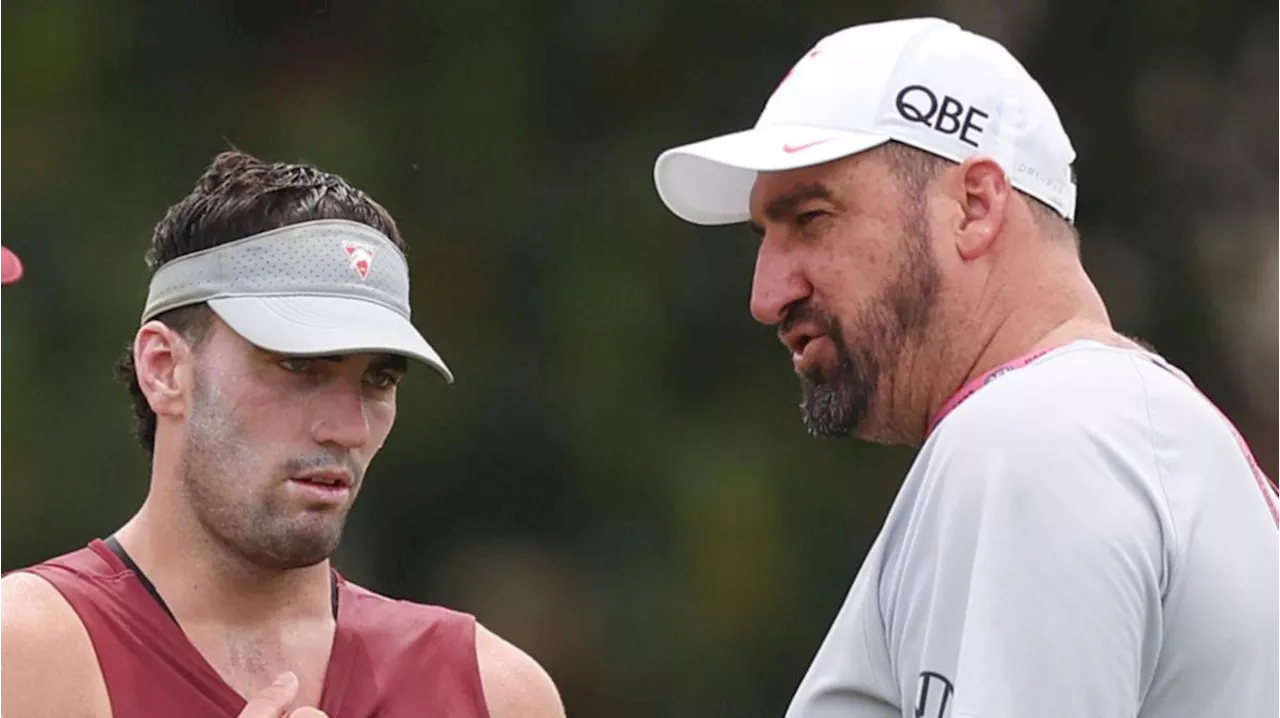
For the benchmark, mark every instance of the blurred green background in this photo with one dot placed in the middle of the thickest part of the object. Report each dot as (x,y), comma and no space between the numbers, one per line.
(618,481)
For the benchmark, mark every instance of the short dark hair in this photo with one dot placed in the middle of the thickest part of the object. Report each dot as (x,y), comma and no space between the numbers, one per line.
(914,168)
(238,196)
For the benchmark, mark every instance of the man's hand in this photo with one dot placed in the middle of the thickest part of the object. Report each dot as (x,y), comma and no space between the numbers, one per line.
(275,699)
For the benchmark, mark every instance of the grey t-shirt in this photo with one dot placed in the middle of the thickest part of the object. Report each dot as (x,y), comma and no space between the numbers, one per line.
(1083,537)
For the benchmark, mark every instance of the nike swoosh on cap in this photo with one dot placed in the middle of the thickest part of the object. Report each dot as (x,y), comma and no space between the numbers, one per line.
(796,148)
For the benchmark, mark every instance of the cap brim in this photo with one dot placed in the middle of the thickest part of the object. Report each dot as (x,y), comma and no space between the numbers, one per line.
(10,266)
(320,326)
(709,182)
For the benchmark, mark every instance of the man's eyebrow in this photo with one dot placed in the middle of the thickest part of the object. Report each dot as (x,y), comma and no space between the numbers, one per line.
(394,362)
(780,208)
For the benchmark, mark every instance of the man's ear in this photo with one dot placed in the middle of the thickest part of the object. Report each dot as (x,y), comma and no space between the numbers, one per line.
(163,362)
(985,195)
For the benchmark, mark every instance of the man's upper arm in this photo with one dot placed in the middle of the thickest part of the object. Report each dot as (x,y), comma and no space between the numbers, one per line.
(1030,579)
(515,686)
(47,663)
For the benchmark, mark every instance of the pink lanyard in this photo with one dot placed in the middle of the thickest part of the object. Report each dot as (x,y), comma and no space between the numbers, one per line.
(968,389)
(1265,484)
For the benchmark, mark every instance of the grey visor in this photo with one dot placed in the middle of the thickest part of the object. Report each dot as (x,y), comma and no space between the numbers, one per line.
(319,288)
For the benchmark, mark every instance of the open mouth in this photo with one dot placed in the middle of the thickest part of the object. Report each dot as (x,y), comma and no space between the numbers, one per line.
(323,481)
(323,486)
(805,347)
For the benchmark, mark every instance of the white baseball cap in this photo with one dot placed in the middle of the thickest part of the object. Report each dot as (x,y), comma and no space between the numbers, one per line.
(316,288)
(923,82)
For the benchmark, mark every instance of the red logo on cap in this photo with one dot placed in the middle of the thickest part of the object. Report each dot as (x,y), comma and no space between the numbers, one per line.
(796,148)
(360,256)
(787,76)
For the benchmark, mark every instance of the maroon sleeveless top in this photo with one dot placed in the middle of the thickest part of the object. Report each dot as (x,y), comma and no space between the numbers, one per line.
(390,658)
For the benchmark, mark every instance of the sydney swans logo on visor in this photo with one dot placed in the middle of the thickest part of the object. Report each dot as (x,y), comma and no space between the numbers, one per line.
(360,255)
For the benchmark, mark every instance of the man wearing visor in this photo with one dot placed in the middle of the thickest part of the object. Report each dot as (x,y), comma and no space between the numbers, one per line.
(264,375)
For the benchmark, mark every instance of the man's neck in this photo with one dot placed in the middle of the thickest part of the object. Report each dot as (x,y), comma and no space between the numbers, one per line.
(202,581)
(1058,316)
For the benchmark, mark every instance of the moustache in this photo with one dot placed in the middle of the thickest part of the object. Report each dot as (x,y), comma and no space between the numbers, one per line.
(324,461)
(804,313)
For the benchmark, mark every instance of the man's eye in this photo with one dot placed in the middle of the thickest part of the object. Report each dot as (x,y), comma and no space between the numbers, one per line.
(295,366)
(382,379)
(805,218)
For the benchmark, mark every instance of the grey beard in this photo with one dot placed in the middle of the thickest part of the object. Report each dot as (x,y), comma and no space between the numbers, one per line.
(835,406)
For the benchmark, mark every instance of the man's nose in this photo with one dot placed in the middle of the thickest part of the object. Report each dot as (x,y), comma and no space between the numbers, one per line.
(777,284)
(344,418)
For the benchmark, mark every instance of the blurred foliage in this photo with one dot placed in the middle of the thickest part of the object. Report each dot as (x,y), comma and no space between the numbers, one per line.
(618,481)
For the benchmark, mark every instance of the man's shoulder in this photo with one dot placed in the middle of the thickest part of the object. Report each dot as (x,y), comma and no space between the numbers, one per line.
(1060,448)
(1083,391)
(49,664)
(34,601)
(513,682)
(1081,418)
(398,614)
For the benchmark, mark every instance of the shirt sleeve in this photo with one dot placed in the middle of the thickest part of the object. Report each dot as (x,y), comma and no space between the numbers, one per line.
(1028,579)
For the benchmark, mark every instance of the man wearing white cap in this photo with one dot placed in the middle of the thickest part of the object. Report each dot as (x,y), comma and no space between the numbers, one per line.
(264,374)
(1082,533)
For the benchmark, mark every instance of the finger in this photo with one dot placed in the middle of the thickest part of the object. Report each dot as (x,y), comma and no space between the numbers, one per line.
(308,713)
(274,700)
